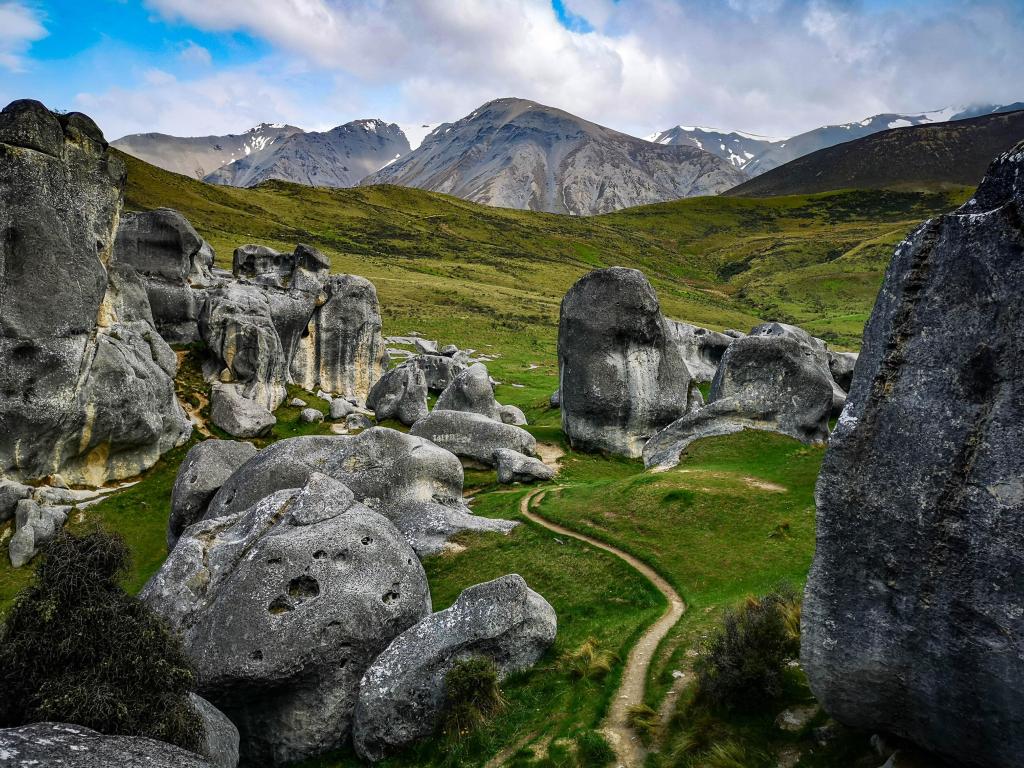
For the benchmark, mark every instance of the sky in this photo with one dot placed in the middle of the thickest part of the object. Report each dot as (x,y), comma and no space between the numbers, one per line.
(770,67)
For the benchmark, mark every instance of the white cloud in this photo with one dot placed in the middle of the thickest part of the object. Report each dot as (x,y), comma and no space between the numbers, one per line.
(774,67)
(20,26)
(195,54)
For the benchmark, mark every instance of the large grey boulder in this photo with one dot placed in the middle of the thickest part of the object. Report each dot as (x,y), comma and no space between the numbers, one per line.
(36,525)
(236,414)
(62,745)
(439,370)
(841,364)
(770,382)
(912,618)
(622,376)
(204,470)
(818,351)
(342,350)
(471,391)
(10,494)
(514,467)
(261,265)
(283,606)
(402,694)
(701,349)
(400,394)
(165,249)
(220,738)
(472,435)
(413,482)
(84,392)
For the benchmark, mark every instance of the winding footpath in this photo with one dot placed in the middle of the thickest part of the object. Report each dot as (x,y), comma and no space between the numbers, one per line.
(627,745)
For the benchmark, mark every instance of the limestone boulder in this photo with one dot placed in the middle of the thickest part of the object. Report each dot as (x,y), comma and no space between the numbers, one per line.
(622,376)
(841,364)
(203,471)
(63,745)
(472,435)
(283,606)
(220,739)
(700,348)
(912,618)
(439,370)
(400,394)
(514,467)
(238,415)
(402,694)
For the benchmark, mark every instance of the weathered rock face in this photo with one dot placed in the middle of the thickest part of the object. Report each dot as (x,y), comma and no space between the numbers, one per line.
(700,348)
(622,376)
(220,739)
(473,436)
(842,364)
(282,608)
(818,351)
(265,266)
(400,394)
(165,249)
(82,391)
(402,693)
(440,370)
(205,469)
(61,745)
(342,350)
(765,381)
(413,482)
(912,620)
(37,524)
(471,391)
(514,467)
(236,414)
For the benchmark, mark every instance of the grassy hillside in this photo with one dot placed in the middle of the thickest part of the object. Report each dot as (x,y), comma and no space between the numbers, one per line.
(473,274)
(918,157)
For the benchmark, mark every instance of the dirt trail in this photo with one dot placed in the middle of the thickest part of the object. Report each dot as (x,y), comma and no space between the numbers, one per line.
(624,741)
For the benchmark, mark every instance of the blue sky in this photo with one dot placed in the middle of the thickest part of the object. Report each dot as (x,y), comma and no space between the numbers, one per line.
(775,67)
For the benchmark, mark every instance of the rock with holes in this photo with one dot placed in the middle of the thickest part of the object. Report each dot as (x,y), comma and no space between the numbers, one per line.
(439,370)
(400,394)
(623,377)
(342,350)
(283,606)
(841,364)
(701,349)
(64,745)
(237,414)
(510,414)
(167,252)
(205,468)
(261,265)
(410,480)
(220,738)
(402,694)
(86,382)
(773,382)
(912,615)
(514,467)
(472,435)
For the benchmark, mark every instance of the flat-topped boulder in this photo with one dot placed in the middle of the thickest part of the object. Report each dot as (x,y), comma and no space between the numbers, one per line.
(472,435)
(912,619)
(623,377)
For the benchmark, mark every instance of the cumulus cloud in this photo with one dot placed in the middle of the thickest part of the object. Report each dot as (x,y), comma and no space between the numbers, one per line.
(20,26)
(195,54)
(769,66)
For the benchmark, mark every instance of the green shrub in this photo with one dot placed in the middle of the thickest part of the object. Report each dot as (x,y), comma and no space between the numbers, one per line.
(472,696)
(744,662)
(589,661)
(76,648)
(593,750)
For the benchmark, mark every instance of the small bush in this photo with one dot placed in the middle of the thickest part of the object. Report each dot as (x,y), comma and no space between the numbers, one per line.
(75,648)
(589,661)
(593,750)
(744,662)
(473,696)
(645,721)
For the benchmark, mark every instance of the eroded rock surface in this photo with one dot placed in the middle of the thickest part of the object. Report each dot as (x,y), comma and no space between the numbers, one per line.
(912,618)
(400,394)
(622,375)
(514,467)
(700,348)
(472,435)
(402,693)
(283,606)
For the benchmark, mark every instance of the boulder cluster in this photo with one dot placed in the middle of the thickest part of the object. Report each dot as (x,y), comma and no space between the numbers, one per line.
(629,376)
(295,580)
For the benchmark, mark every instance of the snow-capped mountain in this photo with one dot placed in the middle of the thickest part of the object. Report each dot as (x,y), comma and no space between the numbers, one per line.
(735,146)
(198,156)
(339,157)
(519,154)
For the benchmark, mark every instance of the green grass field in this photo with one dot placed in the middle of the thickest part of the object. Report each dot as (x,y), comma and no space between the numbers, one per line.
(734,519)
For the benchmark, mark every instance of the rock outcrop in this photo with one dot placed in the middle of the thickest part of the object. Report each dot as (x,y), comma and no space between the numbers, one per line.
(402,694)
(400,394)
(283,606)
(36,525)
(204,470)
(62,745)
(471,391)
(514,467)
(236,414)
(220,738)
(84,392)
(841,364)
(622,376)
(701,349)
(473,436)
(413,482)
(439,370)
(912,617)
(767,381)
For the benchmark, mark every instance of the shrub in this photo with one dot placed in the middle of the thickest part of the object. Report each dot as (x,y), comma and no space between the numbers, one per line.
(593,750)
(473,696)
(589,661)
(75,648)
(645,721)
(744,663)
